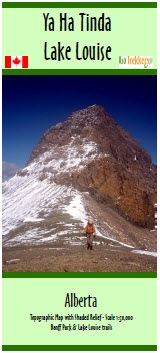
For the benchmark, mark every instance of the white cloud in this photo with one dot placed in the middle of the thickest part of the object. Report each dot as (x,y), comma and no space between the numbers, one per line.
(8,170)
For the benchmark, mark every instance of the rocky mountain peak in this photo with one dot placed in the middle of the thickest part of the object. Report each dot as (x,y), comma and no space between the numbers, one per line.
(90,150)
(93,124)
(89,115)
(94,116)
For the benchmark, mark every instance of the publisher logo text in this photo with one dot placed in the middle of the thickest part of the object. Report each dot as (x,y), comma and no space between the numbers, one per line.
(135,62)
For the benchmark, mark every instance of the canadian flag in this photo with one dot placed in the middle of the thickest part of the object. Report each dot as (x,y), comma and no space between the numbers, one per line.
(16,62)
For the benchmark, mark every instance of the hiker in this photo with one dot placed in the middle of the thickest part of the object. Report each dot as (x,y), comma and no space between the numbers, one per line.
(90,232)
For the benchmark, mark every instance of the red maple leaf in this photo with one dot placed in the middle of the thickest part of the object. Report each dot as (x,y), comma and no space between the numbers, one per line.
(16,61)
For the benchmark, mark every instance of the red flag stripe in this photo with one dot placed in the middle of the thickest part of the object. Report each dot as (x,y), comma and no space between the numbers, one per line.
(7,61)
(24,61)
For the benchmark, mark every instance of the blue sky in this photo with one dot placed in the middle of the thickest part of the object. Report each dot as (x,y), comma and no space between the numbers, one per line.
(32,104)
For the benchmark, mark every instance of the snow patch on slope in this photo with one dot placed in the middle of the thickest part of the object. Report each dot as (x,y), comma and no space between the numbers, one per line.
(76,208)
(25,197)
(143,252)
(67,158)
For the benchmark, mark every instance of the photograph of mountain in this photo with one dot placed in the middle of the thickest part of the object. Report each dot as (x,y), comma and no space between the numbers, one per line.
(83,148)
